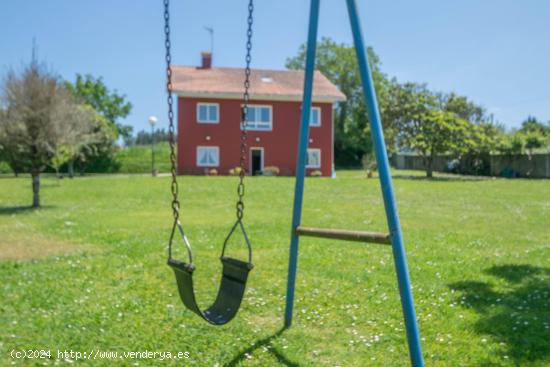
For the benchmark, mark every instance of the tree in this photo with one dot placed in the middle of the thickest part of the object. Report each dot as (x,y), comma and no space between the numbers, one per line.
(99,155)
(532,125)
(80,135)
(111,105)
(6,154)
(435,132)
(145,137)
(535,135)
(533,140)
(338,62)
(462,107)
(34,123)
(426,128)
(511,145)
(532,135)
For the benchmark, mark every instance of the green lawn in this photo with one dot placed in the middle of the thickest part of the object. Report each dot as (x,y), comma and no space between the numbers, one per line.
(87,271)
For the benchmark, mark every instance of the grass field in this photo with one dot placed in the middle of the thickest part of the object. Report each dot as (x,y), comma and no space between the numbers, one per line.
(87,271)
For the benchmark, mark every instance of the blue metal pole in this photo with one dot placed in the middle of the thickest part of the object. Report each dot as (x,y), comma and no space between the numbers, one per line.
(398,247)
(301,160)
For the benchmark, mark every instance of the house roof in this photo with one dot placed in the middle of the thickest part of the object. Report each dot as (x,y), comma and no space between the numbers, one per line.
(284,85)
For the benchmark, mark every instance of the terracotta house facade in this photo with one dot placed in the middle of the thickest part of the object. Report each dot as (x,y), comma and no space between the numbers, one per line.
(209,112)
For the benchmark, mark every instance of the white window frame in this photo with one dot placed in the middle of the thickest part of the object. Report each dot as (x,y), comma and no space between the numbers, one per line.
(208,120)
(199,164)
(254,128)
(311,115)
(311,150)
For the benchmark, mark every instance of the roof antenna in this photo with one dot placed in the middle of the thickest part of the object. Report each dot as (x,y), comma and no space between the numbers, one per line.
(211,31)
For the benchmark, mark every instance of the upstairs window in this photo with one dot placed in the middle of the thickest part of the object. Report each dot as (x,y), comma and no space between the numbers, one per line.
(313,158)
(208,156)
(208,113)
(315,116)
(259,118)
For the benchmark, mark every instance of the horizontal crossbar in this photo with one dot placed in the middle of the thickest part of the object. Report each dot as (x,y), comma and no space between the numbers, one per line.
(343,234)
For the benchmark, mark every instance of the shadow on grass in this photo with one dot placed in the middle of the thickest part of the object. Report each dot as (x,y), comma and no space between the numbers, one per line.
(9,210)
(449,178)
(518,315)
(265,342)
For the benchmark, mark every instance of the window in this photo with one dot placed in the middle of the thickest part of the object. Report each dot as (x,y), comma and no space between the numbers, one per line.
(208,113)
(208,156)
(313,158)
(315,116)
(259,118)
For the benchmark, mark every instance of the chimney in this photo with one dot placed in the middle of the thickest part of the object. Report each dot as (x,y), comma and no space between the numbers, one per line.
(206,60)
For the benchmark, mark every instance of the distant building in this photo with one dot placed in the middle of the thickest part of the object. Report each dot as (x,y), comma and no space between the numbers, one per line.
(209,113)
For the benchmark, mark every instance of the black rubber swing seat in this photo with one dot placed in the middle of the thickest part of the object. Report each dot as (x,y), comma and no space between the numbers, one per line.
(230,294)
(232,285)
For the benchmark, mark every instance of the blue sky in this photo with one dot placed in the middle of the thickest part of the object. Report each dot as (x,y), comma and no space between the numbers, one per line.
(497,52)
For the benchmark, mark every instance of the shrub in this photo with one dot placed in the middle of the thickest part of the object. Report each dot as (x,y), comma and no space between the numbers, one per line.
(369,162)
(5,168)
(316,173)
(271,171)
(235,171)
(452,166)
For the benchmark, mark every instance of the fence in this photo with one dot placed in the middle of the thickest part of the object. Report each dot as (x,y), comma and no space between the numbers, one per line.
(536,166)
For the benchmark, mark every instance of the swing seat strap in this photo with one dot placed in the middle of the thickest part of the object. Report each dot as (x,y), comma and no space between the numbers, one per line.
(230,293)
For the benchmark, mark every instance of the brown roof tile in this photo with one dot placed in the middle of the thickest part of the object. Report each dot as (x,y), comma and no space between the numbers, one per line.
(264,84)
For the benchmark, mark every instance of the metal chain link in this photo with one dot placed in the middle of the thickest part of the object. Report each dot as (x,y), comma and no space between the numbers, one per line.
(171,127)
(246,99)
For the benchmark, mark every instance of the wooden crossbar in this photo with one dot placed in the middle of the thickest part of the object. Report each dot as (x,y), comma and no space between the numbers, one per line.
(343,234)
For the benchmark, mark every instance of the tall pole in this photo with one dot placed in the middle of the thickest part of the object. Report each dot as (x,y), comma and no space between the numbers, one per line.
(152,121)
(377,134)
(301,160)
(153,150)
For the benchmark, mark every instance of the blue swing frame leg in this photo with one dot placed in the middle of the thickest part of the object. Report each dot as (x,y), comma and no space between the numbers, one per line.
(399,254)
(301,160)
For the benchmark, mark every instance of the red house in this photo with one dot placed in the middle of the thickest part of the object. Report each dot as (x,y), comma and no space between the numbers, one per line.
(209,111)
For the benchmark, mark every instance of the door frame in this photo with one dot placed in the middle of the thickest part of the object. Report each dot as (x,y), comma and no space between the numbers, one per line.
(261,149)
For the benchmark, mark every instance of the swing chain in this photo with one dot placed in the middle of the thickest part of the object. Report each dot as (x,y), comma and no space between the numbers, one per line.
(246,99)
(171,127)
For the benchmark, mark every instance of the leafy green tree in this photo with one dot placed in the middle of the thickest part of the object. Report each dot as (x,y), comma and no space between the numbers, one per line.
(437,123)
(146,138)
(434,132)
(511,145)
(81,136)
(99,156)
(462,107)
(480,140)
(532,125)
(111,105)
(525,140)
(535,134)
(532,135)
(534,140)
(337,61)
(6,155)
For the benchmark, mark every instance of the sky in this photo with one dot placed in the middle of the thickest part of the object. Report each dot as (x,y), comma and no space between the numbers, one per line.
(496,52)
